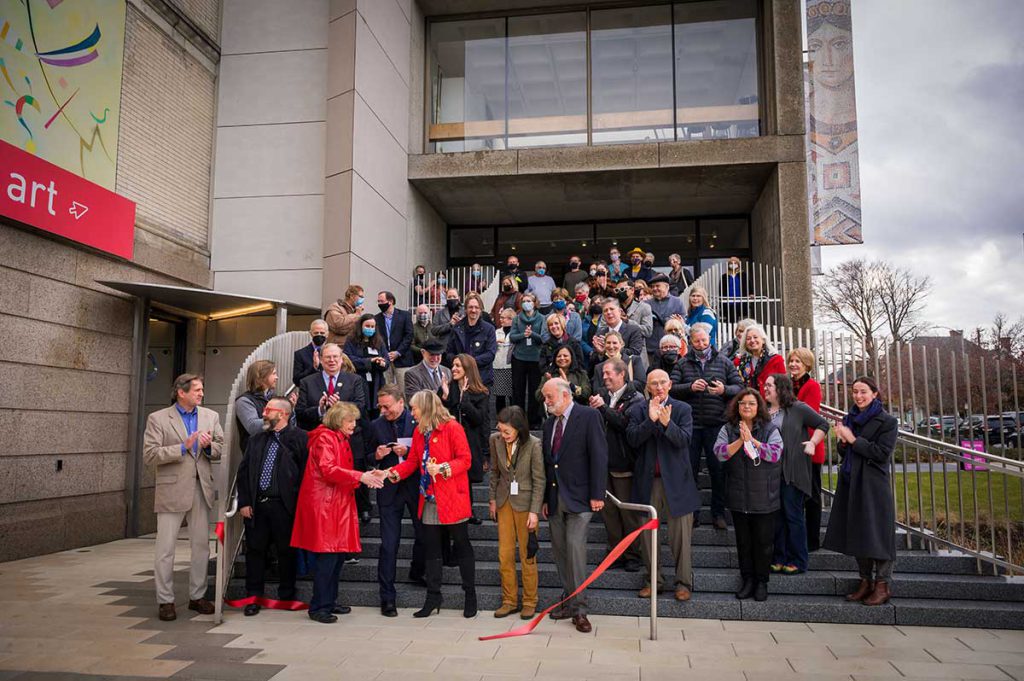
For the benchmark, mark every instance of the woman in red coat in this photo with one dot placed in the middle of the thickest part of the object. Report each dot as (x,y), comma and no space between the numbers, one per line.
(326,519)
(800,363)
(441,458)
(758,359)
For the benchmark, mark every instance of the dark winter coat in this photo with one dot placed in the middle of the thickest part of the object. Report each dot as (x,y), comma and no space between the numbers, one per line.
(621,456)
(708,409)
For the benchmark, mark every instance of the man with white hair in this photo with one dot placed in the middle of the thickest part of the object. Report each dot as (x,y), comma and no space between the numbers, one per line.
(307,358)
(576,461)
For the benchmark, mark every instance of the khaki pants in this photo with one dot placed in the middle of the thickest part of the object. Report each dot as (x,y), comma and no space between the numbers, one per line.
(680,531)
(167,526)
(618,522)
(511,531)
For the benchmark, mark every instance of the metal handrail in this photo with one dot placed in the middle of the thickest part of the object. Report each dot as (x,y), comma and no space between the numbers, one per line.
(652,513)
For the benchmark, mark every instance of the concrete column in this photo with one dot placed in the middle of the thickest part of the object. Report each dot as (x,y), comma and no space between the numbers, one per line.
(795,245)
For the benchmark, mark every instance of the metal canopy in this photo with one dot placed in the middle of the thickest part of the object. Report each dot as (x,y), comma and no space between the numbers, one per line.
(204,302)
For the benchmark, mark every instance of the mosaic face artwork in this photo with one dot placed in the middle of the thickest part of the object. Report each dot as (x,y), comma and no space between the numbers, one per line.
(60,78)
(833,162)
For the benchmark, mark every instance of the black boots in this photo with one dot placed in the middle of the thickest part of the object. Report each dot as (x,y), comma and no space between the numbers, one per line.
(467,570)
(761,591)
(747,590)
(432,575)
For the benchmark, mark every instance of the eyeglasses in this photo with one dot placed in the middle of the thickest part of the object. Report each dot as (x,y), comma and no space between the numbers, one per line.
(269,410)
(749,404)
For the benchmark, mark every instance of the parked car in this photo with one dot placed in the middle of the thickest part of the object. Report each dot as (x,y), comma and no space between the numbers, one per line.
(1002,431)
(936,427)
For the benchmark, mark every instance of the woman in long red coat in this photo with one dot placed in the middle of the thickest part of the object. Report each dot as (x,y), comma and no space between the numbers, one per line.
(440,456)
(800,363)
(326,518)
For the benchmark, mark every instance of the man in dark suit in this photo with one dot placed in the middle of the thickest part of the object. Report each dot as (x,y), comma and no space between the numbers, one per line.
(428,374)
(307,358)
(269,477)
(660,431)
(633,344)
(320,391)
(576,460)
(394,423)
(395,327)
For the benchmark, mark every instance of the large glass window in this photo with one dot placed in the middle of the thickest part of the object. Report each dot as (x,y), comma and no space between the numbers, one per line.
(716,70)
(683,71)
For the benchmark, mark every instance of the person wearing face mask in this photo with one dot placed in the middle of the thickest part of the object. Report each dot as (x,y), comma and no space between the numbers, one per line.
(307,358)
(268,481)
(527,336)
(420,330)
(664,307)
(512,270)
(668,355)
(343,314)
(419,285)
(502,367)
(508,298)
(370,358)
(734,289)
(562,306)
(600,283)
(637,269)
(394,326)
(438,290)
(617,268)
(541,285)
(475,283)
(447,317)
(591,318)
(575,275)
(581,297)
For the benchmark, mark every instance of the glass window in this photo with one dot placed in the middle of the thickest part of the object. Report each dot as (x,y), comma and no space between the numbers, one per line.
(631,74)
(552,244)
(471,242)
(658,237)
(467,85)
(724,237)
(547,79)
(716,70)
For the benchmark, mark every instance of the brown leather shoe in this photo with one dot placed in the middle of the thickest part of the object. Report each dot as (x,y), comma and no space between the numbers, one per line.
(582,624)
(644,592)
(560,614)
(505,610)
(167,613)
(880,595)
(202,606)
(863,591)
(528,612)
(682,594)
(720,523)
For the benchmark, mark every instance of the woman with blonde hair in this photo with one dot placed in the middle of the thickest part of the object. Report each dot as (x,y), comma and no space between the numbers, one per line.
(698,311)
(441,457)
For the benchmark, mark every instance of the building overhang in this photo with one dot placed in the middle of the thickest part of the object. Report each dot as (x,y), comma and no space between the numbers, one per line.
(204,303)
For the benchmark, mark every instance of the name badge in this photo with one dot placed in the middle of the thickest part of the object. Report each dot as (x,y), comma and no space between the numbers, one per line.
(513,488)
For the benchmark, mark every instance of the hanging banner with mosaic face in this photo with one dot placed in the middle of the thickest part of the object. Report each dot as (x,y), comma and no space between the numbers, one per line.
(832,163)
(60,75)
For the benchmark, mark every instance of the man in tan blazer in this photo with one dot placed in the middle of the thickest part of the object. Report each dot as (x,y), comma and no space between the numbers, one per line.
(181,441)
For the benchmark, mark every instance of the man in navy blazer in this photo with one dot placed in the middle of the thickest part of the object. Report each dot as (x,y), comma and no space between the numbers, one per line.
(307,358)
(395,327)
(659,430)
(395,422)
(576,462)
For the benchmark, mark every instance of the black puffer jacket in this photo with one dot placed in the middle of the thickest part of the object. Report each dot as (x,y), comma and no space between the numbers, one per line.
(708,409)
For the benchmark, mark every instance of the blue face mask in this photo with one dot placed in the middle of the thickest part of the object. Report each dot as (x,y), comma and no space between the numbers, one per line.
(476,273)
(360,300)
(368,332)
(541,271)
(527,306)
(559,305)
(441,281)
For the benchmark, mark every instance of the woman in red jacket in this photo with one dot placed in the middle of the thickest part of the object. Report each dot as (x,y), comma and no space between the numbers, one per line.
(800,363)
(440,456)
(758,359)
(326,519)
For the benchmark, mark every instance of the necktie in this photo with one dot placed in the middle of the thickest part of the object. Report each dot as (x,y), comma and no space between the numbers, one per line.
(435,378)
(268,464)
(556,441)
(330,386)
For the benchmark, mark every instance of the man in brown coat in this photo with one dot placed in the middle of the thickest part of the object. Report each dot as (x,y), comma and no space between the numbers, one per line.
(343,314)
(181,441)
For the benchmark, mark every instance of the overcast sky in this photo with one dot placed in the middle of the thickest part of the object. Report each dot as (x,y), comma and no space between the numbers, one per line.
(940,104)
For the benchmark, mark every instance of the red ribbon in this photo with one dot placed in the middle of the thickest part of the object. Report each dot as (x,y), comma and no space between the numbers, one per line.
(218,530)
(605,564)
(268,603)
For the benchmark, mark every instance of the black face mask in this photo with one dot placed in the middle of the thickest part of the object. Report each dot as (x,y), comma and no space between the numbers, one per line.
(595,310)
(622,296)
(319,340)
(453,306)
(420,275)
(384,306)
(506,328)
(513,268)
(507,288)
(574,266)
(670,358)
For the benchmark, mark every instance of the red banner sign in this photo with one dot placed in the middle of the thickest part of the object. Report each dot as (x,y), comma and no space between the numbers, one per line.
(39,194)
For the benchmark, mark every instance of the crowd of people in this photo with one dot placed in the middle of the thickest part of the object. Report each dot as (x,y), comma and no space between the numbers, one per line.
(624,380)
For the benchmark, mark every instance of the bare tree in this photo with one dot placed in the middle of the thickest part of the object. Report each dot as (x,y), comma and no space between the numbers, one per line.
(1006,339)
(903,297)
(849,295)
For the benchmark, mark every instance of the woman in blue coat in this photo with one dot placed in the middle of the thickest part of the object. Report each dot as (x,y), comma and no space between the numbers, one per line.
(698,311)
(369,357)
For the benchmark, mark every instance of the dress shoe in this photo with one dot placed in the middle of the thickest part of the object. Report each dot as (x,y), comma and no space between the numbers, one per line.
(323,617)
(167,613)
(560,614)
(432,604)
(682,594)
(761,592)
(880,595)
(388,610)
(791,570)
(473,520)
(352,559)
(644,592)
(251,609)
(775,567)
(720,523)
(202,606)
(582,624)
(469,605)
(340,609)
(505,610)
(528,612)
(633,565)
(746,591)
(864,590)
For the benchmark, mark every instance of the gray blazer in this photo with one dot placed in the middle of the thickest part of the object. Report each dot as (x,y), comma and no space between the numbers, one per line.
(796,466)
(529,473)
(418,378)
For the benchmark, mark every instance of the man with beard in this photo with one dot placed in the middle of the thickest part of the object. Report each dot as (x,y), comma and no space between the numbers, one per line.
(268,483)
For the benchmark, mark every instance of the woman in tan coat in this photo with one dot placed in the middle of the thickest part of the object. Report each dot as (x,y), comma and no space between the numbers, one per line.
(516,496)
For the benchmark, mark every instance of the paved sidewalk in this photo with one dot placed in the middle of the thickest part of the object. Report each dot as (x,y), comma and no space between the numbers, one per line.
(90,614)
